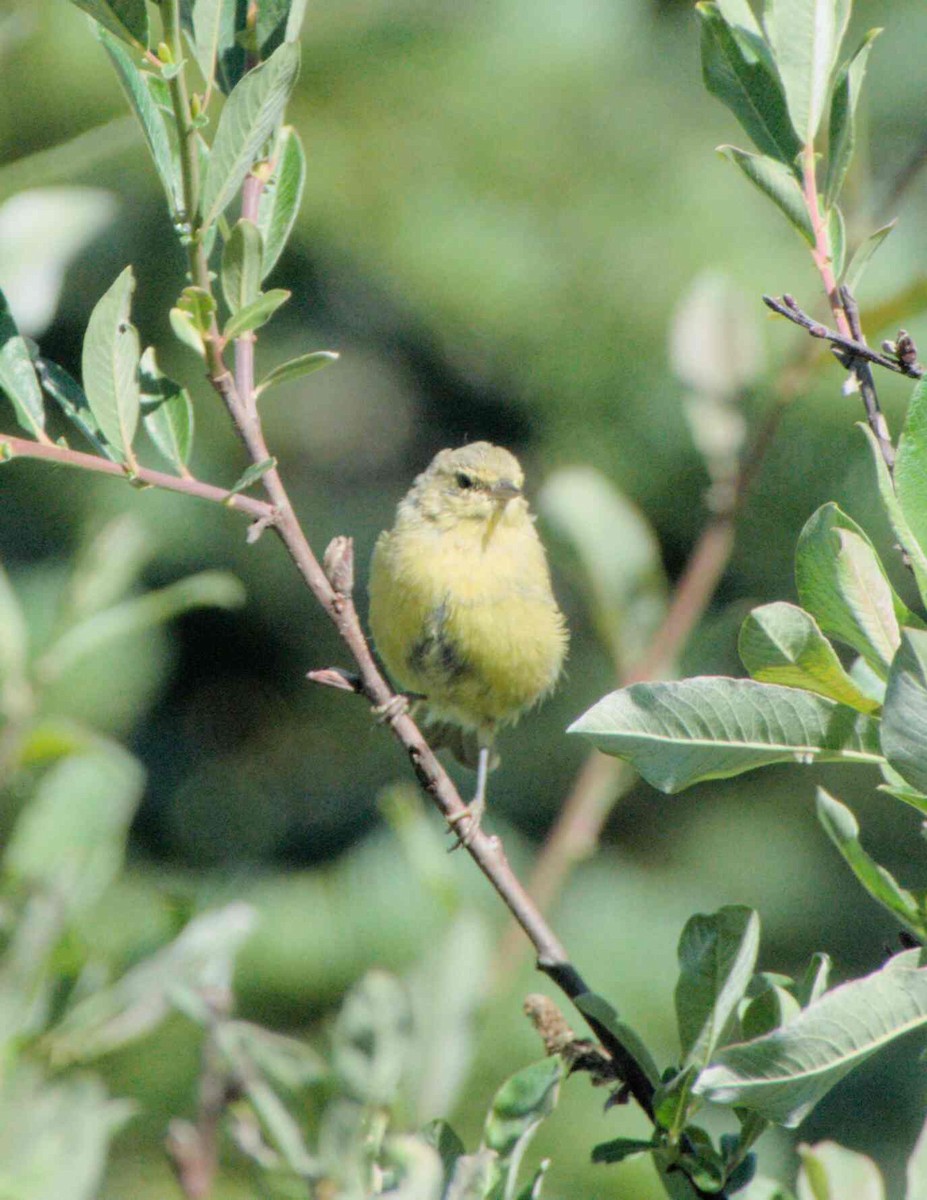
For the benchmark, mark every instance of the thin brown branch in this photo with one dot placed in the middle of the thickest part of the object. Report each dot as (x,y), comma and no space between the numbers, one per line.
(16,447)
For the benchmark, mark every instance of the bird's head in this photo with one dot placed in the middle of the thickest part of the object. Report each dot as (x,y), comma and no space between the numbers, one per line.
(476,482)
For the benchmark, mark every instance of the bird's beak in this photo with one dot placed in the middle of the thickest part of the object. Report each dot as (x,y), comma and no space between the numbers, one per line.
(504,490)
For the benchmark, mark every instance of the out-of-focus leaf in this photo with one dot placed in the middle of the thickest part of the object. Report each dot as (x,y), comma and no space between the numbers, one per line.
(71,837)
(715,345)
(42,230)
(251,113)
(618,552)
(286,1062)
(782,644)
(306,364)
(278,206)
(904,720)
(677,734)
(746,84)
(126,19)
(241,265)
(256,314)
(620,1149)
(200,957)
(110,366)
(441,1136)
(207,589)
(372,1039)
(916,1174)
(253,473)
(843,830)
(717,956)
(475,1176)
(783,1075)
(55,1134)
(518,1108)
(17,374)
(167,411)
(105,568)
(70,398)
(899,520)
(135,85)
(776,181)
(842,124)
(805,37)
(278,1124)
(863,253)
(842,583)
(14,650)
(831,1172)
(533,1188)
(415,1167)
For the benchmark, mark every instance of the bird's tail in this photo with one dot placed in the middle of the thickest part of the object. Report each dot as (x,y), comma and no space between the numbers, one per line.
(464,744)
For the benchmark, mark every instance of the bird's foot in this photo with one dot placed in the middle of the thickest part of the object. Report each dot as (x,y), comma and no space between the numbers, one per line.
(472,815)
(396,706)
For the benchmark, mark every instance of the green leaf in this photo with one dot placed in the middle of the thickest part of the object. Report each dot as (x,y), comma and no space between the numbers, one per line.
(597,1009)
(916,1174)
(620,1150)
(831,1172)
(255,472)
(167,411)
(17,374)
(216,28)
(135,85)
(206,589)
(843,830)
(55,1134)
(372,1039)
(414,1167)
(14,652)
(837,240)
(895,786)
(241,265)
(110,366)
(805,37)
(250,116)
(897,515)
(205,20)
(281,196)
(911,465)
(618,552)
(863,253)
(69,396)
(842,583)
(780,643)
(71,838)
(253,316)
(677,734)
(904,719)
(777,182)
(813,984)
(474,1178)
(439,1134)
(532,1189)
(200,957)
(842,125)
(747,85)
(770,1009)
(518,1108)
(306,364)
(126,19)
(200,306)
(185,331)
(783,1076)
(717,956)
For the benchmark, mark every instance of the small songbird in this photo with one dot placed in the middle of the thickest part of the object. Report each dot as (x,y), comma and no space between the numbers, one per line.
(461,606)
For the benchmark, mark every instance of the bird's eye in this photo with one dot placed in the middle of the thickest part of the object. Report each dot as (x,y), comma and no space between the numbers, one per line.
(463,480)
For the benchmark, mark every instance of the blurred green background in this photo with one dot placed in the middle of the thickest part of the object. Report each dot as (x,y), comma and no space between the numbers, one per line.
(507,204)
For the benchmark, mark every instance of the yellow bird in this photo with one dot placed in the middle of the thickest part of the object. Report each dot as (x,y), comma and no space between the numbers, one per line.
(461,607)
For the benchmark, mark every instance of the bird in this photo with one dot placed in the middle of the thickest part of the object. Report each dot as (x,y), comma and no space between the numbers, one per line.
(462,612)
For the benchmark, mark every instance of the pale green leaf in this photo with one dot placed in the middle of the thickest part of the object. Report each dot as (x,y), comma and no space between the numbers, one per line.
(241,265)
(780,643)
(842,125)
(843,830)
(206,19)
(167,411)
(252,474)
(248,120)
(17,374)
(185,331)
(904,718)
(306,364)
(677,734)
(783,1076)
(517,1109)
(256,314)
(372,1039)
(110,366)
(805,37)
(832,1172)
(916,1175)
(125,19)
(217,30)
(278,206)
(898,517)
(911,465)
(837,240)
(863,253)
(842,583)
(777,182)
(70,398)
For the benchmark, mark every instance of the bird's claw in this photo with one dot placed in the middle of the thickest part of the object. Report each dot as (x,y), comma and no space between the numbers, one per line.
(473,816)
(396,706)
